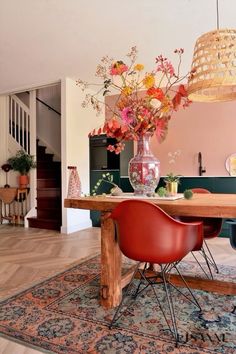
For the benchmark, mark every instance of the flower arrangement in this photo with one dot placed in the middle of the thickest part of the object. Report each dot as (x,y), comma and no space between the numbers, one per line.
(145,101)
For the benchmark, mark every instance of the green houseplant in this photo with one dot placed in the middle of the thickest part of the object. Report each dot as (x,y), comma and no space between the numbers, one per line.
(172,181)
(23,163)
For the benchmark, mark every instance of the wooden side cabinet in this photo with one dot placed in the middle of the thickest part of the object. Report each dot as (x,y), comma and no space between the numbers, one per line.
(13,205)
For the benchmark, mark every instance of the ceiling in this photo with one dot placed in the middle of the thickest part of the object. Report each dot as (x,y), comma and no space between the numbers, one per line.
(44,41)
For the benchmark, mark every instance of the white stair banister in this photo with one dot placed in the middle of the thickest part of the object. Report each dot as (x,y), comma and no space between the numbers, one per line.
(19,122)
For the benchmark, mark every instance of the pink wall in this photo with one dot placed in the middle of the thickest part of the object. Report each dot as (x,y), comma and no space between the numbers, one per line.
(209,128)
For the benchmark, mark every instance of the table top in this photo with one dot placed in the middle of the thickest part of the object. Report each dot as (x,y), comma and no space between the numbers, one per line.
(204,205)
(7,195)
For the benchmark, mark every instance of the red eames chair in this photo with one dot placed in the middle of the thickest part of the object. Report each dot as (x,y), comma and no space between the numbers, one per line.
(211,228)
(147,234)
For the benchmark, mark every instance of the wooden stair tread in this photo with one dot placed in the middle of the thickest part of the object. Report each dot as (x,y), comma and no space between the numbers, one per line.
(48,198)
(50,188)
(42,223)
(48,191)
(43,219)
(47,179)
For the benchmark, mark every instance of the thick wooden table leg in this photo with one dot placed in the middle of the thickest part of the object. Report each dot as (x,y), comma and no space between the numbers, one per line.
(110,264)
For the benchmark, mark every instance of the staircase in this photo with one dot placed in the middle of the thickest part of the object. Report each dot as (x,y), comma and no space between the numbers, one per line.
(48,192)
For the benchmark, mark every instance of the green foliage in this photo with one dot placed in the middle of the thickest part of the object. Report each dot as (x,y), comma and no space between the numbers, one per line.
(22,162)
(170,177)
(106,178)
(188,194)
(162,192)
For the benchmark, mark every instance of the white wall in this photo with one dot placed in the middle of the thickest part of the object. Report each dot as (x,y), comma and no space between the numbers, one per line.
(3,137)
(76,124)
(42,41)
(49,130)
(48,121)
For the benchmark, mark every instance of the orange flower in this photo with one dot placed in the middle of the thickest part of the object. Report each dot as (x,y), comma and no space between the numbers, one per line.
(156,93)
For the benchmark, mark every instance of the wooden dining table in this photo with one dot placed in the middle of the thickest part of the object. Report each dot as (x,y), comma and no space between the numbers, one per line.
(112,279)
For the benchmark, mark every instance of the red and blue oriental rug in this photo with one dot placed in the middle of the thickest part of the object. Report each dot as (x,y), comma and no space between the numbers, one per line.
(62,315)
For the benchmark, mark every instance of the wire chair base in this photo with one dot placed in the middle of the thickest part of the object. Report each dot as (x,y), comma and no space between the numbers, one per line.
(154,280)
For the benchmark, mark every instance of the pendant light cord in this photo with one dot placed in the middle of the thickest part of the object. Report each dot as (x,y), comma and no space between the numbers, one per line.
(217,14)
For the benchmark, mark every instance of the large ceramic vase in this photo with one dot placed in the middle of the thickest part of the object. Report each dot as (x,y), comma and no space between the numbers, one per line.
(144,168)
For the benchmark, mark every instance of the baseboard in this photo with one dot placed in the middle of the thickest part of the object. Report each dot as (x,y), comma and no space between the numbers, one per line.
(73,228)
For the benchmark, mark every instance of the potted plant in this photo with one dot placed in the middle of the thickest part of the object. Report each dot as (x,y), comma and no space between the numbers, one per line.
(172,181)
(23,163)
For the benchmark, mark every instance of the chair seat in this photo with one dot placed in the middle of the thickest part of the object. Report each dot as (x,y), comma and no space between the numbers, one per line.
(211,227)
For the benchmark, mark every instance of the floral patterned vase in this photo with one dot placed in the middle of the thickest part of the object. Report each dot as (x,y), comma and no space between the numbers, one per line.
(144,168)
(74,186)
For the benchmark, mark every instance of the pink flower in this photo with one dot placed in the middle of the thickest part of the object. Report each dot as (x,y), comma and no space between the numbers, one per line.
(118,68)
(164,66)
(127,115)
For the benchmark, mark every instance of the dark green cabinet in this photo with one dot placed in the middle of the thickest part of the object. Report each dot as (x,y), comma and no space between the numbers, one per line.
(102,161)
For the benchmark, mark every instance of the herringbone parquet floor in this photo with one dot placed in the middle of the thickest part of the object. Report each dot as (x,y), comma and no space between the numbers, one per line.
(29,255)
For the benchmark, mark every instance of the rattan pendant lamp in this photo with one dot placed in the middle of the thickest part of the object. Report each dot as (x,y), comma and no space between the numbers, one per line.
(214,66)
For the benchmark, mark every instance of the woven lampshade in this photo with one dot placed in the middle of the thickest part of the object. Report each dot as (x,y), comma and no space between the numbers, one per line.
(214,67)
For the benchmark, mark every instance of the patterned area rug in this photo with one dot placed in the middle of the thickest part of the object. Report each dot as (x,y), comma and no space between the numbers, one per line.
(62,315)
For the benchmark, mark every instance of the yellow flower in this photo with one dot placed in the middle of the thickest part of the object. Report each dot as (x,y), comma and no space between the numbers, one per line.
(166,106)
(139,67)
(126,91)
(149,81)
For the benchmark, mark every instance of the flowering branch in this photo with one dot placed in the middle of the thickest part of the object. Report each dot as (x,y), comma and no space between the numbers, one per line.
(144,104)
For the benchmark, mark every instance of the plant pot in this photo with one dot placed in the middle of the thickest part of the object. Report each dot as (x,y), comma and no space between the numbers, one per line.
(172,188)
(23,181)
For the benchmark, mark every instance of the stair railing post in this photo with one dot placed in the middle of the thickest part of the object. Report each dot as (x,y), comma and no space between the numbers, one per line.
(4,121)
(33,137)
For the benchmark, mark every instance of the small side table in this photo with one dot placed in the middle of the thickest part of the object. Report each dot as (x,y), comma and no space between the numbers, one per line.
(13,204)
(7,208)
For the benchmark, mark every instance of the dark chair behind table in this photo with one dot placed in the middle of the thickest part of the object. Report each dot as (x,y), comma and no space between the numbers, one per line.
(211,228)
(146,234)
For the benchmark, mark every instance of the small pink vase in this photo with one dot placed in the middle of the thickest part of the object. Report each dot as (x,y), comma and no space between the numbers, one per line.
(144,168)
(74,186)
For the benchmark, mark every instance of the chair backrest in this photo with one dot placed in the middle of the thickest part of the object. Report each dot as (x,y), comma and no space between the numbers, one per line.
(147,234)
(200,190)
(211,226)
